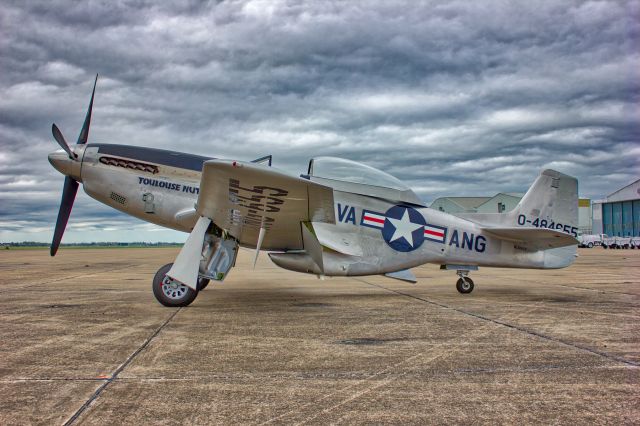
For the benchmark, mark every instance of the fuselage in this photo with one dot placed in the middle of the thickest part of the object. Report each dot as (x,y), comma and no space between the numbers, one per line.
(162,187)
(363,231)
(154,185)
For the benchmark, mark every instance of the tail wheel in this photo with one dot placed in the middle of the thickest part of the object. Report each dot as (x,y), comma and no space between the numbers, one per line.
(170,292)
(464,285)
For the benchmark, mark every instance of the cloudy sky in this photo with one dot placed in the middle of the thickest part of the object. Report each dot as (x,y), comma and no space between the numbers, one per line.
(456,98)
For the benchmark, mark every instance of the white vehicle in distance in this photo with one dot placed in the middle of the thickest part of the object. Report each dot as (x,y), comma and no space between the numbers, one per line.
(621,242)
(590,241)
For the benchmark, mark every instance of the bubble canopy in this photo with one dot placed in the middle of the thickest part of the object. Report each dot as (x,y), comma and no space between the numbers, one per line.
(353,172)
(358,178)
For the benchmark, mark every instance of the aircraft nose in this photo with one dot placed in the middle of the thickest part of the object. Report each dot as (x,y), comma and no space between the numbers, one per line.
(61,162)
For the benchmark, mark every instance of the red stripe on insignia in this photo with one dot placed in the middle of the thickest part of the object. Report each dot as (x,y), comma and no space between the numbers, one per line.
(437,234)
(373,219)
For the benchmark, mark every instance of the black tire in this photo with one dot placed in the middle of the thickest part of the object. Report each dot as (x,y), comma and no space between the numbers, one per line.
(171,294)
(203,283)
(604,246)
(590,245)
(465,285)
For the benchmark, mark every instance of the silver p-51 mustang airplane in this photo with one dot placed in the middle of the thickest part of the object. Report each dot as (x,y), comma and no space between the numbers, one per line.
(342,218)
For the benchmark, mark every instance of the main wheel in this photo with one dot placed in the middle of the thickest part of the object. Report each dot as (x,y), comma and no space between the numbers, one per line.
(464,285)
(203,283)
(170,292)
(590,245)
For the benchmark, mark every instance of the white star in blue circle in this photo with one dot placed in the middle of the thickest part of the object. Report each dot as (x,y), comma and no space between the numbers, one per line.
(403,228)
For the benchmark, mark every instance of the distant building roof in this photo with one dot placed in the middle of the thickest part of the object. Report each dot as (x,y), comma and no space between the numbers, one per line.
(467,202)
(626,192)
(498,195)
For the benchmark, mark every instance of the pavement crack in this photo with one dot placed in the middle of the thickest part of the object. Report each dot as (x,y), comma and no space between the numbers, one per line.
(65,278)
(597,290)
(118,370)
(508,325)
(52,379)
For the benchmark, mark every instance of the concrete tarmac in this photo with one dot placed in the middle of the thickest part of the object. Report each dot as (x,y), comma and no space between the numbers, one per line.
(83,341)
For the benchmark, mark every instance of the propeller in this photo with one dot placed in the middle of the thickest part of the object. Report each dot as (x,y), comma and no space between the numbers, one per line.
(70,187)
(57,135)
(69,191)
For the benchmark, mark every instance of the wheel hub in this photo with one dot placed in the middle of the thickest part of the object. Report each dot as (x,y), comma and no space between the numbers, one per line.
(173,289)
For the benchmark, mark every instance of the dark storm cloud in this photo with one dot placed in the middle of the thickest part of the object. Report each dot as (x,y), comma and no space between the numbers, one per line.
(456,98)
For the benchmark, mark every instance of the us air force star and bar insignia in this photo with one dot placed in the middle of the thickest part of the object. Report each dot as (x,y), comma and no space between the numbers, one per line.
(403,228)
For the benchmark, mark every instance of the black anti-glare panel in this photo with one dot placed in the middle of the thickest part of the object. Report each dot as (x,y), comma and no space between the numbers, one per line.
(153,155)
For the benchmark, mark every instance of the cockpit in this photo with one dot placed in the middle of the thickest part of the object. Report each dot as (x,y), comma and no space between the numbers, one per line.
(351,176)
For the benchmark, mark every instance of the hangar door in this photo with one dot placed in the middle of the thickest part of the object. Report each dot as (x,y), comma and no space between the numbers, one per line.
(607,219)
(636,218)
(627,218)
(621,219)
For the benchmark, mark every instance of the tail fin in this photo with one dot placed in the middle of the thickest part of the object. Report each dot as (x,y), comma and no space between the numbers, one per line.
(545,219)
(551,203)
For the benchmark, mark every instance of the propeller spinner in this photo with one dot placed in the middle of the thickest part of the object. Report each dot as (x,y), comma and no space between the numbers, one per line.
(67,163)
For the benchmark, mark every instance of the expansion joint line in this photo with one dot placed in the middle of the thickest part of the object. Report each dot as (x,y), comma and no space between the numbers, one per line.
(512,326)
(118,370)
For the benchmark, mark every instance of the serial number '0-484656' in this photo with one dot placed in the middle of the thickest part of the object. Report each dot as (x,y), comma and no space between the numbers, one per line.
(543,223)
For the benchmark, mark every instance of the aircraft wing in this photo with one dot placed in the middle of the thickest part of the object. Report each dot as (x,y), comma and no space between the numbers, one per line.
(244,197)
(540,238)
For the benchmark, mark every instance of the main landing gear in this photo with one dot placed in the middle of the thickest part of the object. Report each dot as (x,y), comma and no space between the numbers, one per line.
(211,253)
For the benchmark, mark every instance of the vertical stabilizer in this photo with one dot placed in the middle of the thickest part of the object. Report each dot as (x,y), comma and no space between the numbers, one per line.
(551,202)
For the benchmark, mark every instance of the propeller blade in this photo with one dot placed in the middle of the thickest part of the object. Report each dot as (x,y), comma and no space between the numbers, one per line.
(68,196)
(84,133)
(57,135)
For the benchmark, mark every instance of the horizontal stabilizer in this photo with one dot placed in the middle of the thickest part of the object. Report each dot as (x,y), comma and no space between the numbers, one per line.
(404,275)
(539,238)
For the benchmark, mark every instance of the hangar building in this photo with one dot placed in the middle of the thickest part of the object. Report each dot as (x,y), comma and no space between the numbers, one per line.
(501,203)
(619,214)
